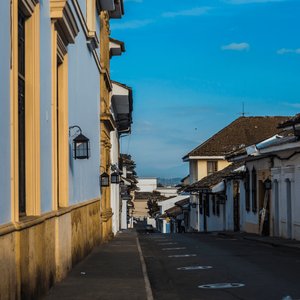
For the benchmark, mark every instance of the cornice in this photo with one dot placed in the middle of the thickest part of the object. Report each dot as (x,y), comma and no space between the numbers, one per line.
(28,6)
(60,11)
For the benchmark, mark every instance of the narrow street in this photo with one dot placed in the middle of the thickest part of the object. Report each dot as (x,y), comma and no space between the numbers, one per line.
(265,272)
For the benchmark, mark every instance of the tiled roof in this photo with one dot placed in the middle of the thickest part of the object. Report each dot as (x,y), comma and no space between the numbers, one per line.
(242,132)
(173,211)
(209,181)
(183,202)
(289,122)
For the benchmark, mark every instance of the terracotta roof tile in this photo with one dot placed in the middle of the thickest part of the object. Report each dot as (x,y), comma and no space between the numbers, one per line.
(242,132)
(209,181)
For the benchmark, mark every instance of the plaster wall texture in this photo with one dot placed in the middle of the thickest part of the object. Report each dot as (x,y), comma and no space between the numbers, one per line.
(140,209)
(201,169)
(5,207)
(84,111)
(194,217)
(115,188)
(147,184)
(285,171)
(45,106)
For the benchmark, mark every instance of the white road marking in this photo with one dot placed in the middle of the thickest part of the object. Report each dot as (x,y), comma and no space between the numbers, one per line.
(149,293)
(176,248)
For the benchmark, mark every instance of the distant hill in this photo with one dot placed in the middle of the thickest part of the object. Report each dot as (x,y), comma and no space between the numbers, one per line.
(168,181)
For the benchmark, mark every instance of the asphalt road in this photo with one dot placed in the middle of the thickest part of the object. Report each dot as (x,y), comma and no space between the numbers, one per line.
(264,271)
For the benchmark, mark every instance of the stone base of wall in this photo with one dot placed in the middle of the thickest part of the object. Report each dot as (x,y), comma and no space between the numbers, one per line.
(39,251)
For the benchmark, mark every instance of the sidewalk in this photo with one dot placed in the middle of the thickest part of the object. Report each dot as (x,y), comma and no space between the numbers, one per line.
(273,241)
(112,271)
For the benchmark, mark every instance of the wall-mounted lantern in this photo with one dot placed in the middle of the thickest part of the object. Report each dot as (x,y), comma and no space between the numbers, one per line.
(81,145)
(268,184)
(104,179)
(115,177)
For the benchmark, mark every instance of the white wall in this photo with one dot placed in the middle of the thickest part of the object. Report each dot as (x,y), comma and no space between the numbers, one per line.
(283,171)
(115,188)
(147,184)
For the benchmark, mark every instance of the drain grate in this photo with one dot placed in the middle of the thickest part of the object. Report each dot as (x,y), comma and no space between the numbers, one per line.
(182,255)
(194,268)
(221,285)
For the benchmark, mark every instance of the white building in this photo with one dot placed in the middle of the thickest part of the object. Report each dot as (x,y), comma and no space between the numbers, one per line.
(147,184)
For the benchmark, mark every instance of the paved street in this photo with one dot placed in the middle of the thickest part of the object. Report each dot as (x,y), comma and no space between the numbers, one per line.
(266,272)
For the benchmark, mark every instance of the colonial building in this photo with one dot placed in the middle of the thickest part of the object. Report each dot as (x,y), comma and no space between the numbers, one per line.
(210,156)
(54,59)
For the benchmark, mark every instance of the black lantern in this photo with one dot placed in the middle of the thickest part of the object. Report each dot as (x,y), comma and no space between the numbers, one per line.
(115,177)
(268,184)
(81,145)
(104,179)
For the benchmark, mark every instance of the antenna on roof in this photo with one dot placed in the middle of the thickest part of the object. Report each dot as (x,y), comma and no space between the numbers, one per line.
(243,113)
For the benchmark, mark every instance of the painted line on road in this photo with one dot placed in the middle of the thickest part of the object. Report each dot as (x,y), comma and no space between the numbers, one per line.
(194,268)
(175,248)
(224,285)
(182,255)
(165,244)
(149,293)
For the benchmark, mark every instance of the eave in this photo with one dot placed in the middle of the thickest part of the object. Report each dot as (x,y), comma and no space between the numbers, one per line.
(122,106)
(118,12)
(116,48)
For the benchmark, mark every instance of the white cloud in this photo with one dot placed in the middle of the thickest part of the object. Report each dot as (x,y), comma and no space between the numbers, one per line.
(283,51)
(197,11)
(131,24)
(250,1)
(236,47)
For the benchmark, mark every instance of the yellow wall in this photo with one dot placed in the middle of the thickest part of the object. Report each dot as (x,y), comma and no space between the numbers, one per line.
(106,125)
(38,252)
(202,167)
(140,209)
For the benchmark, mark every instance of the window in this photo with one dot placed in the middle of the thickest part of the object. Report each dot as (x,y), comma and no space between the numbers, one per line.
(21,111)
(212,167)
(254,191)
(247,190)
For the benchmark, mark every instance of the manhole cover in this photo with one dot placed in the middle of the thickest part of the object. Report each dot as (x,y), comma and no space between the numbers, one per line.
(182,255)
(194,268)
(221,285)
(175,248)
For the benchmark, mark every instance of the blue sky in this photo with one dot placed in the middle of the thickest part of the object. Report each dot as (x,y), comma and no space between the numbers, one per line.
(193,63)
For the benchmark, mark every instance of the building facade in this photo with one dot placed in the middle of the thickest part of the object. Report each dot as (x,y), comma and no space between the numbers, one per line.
(54,82)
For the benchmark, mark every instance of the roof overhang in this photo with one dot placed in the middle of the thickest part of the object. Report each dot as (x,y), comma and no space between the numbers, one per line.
(187,158)
(219,187)
(118,12)
(122,106)
(116,47)
(107,5)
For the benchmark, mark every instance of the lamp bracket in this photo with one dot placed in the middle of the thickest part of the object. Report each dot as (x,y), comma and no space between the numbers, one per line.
(73,127)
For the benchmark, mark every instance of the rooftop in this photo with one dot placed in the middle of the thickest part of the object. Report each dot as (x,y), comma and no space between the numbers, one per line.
(241,133)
